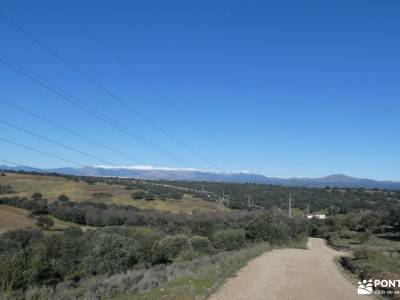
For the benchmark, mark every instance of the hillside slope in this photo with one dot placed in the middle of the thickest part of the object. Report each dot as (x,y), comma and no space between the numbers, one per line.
(24,185)
(12,218)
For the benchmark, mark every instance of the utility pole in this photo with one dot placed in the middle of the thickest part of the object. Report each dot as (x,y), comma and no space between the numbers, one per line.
(290,206)
(248,200)
(223,198)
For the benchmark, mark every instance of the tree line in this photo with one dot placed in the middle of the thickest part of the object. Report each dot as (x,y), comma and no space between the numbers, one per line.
(125,237)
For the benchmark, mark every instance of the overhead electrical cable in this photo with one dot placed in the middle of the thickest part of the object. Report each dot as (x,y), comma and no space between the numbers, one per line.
(77,102)
(14,163)
(105,90)
(24,110)
(42,152)
(55,142)
(123,63)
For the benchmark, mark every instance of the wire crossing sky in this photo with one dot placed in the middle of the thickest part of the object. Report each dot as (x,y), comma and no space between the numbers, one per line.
(295,88)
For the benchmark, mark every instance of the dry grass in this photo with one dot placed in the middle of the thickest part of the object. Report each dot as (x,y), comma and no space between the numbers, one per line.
(186,205)
(52,186)
(12,218)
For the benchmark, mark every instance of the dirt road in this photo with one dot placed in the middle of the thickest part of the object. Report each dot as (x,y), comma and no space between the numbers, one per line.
(291,274)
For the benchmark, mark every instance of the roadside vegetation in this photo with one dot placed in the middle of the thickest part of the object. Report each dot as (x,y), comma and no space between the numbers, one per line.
(373,237)
(119,260)
(128,251)
(91,245)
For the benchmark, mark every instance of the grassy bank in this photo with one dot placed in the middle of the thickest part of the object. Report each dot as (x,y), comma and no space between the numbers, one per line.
(195,279)
(206,278)
(375,256)
(202,278)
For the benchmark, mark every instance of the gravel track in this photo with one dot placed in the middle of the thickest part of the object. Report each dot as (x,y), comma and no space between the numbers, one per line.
(291,274)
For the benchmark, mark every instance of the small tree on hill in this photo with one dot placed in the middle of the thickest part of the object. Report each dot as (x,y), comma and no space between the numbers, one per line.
(369,221)
(37,196)
(200,244)
(229,239)
(169,248)
(138,195)
(149,196)
(45,222)
(63,198)
(394,219)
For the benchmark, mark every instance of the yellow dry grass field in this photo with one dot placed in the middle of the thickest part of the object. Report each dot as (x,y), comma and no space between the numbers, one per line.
(52,186)
(12,218)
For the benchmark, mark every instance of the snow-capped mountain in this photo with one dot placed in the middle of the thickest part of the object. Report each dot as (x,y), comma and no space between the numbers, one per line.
(163,173)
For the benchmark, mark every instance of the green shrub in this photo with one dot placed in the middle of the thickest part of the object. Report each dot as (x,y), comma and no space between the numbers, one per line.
(348,263)
(200,244)
(203,227)
(149,196)
(361,253)
(318,230)
(364,237)
(138,195)
(20,237)
(37,196)
(13,272)
(169,248)
(44,222)
(63,198)
(231,239)
(265,228)
(111,254)
(369,221)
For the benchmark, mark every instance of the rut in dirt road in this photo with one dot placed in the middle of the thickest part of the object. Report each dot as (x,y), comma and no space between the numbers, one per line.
(291,274)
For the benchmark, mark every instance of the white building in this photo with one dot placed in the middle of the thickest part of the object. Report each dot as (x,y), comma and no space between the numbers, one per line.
(315,216)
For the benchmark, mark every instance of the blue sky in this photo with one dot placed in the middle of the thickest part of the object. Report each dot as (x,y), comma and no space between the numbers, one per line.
(282,88)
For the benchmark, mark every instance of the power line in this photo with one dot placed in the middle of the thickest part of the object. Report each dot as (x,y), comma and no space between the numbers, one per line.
(67,129)
(120,61)
(105,90)
(78,103)
(9,162)
(41,152)
(24,71)
(14,163)
(17,165)
(55,142)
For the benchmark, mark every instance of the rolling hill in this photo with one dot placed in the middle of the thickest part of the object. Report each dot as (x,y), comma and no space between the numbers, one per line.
(12,218)
(24,185)
(156,173)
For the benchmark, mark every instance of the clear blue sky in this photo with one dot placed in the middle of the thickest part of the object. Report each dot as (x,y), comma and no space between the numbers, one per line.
(283,88)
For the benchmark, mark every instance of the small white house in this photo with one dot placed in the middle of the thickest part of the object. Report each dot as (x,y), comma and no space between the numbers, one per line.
(315,216)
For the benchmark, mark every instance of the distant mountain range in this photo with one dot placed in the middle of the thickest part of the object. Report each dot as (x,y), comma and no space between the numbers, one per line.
(155,173)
